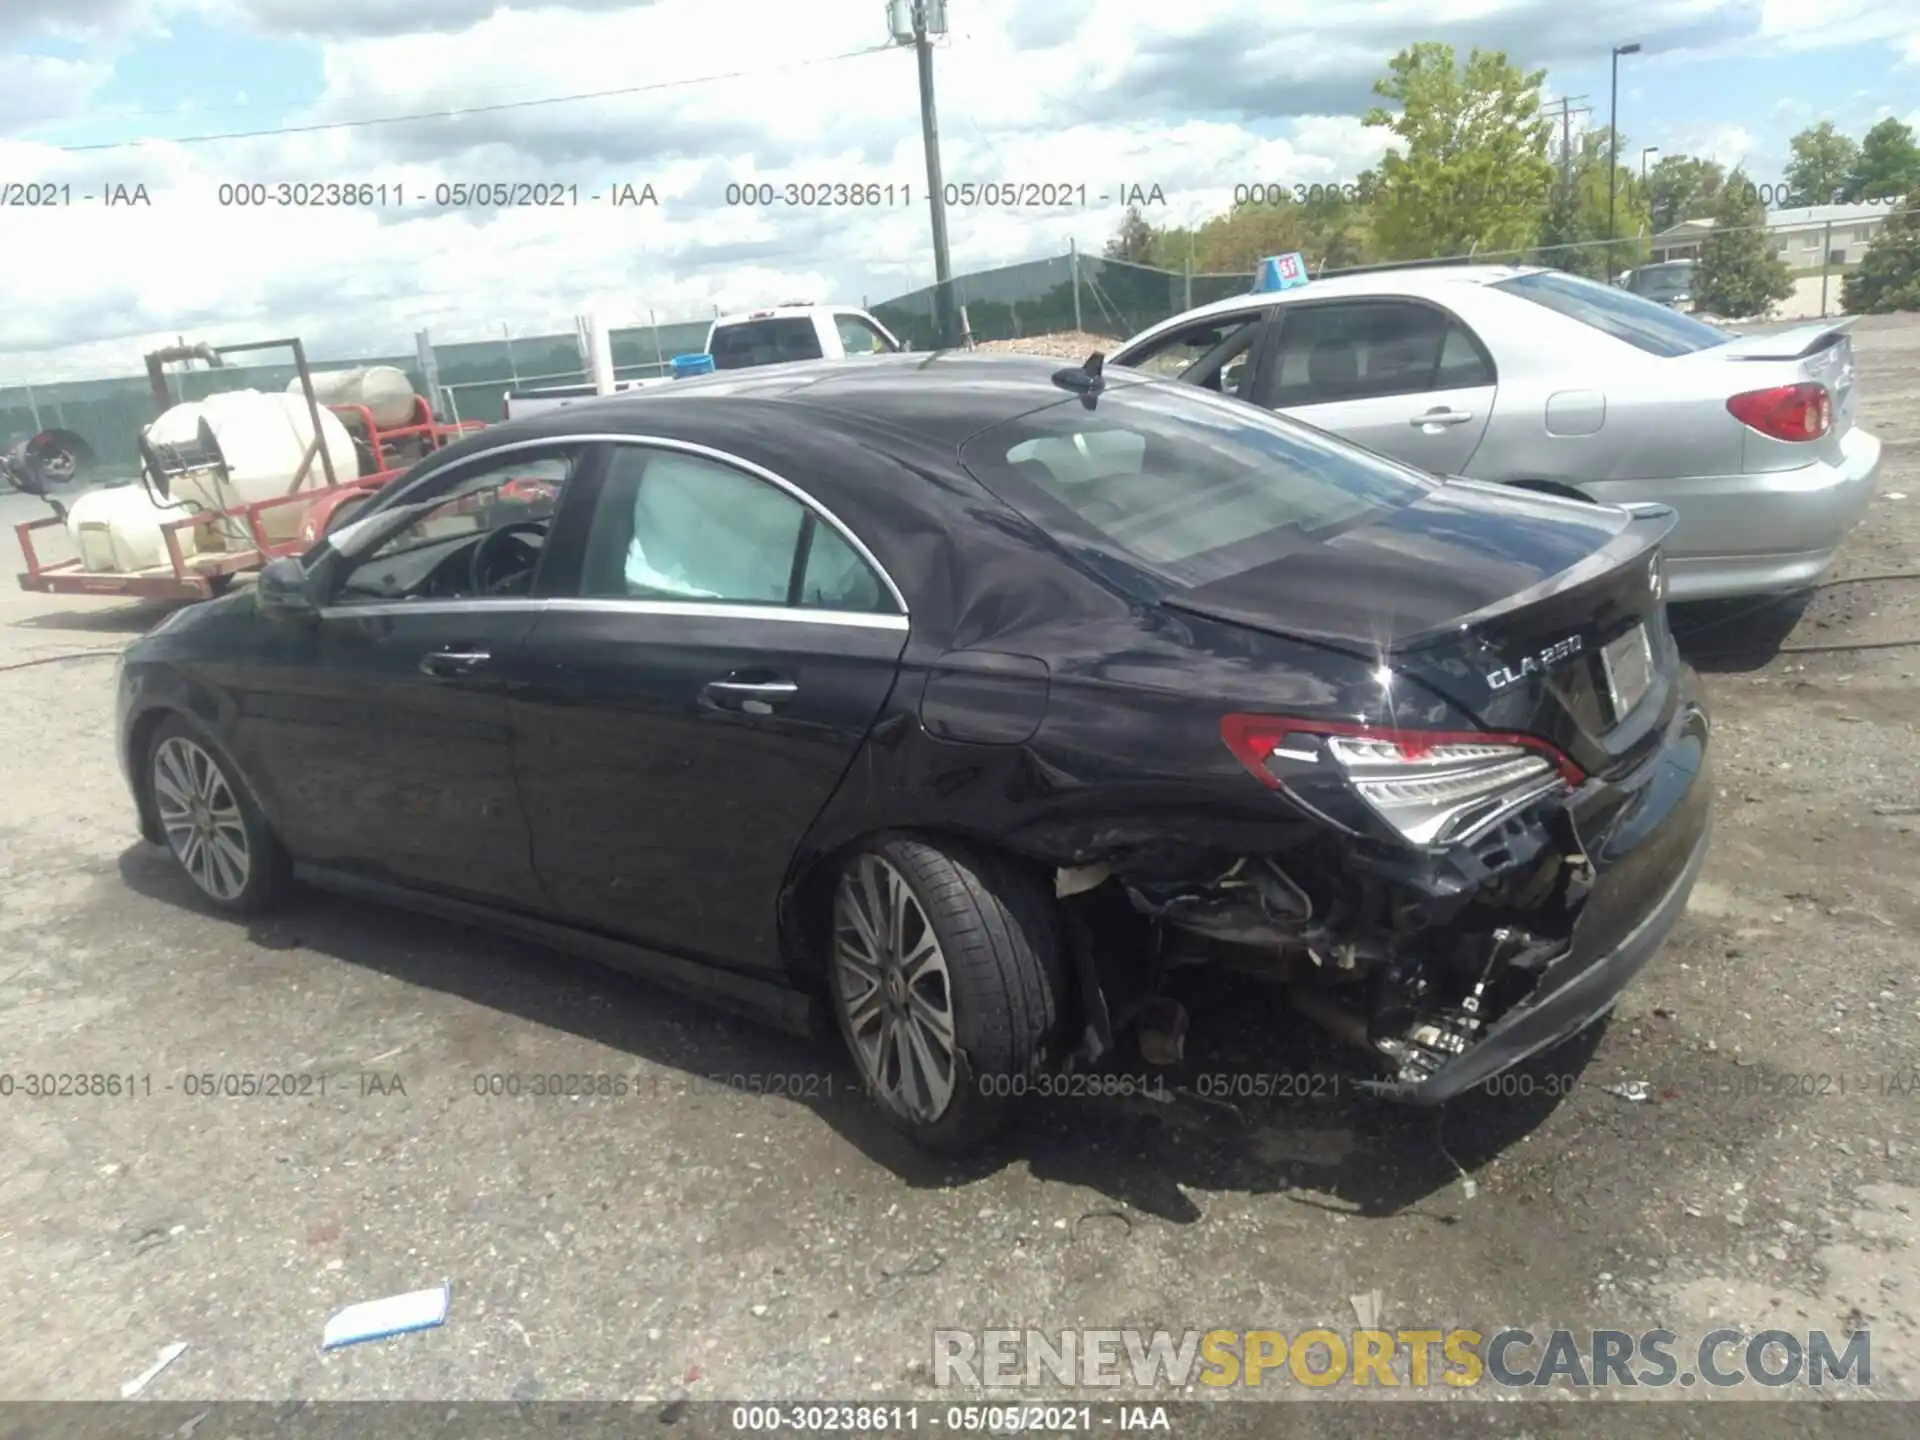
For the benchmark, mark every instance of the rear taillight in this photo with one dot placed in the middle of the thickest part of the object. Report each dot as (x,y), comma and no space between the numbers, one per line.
(1432,787)
(1786,412)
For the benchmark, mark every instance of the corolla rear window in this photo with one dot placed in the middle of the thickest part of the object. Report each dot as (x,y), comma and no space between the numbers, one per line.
(1642,323)
(1186,486)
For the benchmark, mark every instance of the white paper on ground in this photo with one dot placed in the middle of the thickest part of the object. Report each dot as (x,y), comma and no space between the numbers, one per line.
(395,1315)
(140,1382)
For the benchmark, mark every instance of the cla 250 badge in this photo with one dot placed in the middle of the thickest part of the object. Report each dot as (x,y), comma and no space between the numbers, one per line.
(1560,649)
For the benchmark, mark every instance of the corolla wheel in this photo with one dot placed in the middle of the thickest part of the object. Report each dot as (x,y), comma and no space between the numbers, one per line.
(211,824)
(947,982)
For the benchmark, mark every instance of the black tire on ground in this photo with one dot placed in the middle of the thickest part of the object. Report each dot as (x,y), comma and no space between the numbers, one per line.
(268,869)
(993,919)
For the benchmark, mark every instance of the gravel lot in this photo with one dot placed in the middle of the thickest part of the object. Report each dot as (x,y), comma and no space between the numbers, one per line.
(701,1241)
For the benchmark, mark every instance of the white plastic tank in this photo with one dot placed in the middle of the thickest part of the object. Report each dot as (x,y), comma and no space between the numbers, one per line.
(264,437)
(383,389)
(118,529)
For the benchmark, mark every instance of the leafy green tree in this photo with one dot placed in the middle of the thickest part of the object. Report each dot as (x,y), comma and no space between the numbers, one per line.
(1330,233)
(1823,158)
(1471,169)
(1681,187)
(1888,276)
(1739,273)
(1573,233)
(1888,164)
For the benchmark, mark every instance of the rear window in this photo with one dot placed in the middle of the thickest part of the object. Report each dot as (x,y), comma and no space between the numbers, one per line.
(1620,313)
(765,342)
(1187,486)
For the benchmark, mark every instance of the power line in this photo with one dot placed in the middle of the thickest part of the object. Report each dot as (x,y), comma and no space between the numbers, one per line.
(488,109)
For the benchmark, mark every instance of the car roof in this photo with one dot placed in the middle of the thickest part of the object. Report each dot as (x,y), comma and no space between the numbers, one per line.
(1428,281)
(784,312)
(939,399)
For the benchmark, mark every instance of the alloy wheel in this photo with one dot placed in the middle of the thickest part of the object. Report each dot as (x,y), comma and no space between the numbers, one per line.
(894,991)
(200,815)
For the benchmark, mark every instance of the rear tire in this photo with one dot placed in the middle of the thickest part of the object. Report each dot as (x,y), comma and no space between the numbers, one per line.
(210,822)
(947,980)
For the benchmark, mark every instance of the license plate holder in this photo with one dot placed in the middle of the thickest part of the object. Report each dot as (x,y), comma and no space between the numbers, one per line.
(1628,665)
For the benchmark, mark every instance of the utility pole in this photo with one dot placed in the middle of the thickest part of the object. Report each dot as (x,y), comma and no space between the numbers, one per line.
(1613,145)
(1567,112)
(916,23)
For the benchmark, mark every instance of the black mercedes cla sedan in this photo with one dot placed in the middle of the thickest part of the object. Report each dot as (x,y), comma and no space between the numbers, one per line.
(963,700)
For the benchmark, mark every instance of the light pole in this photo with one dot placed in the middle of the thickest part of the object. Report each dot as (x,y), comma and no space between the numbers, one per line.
(915,22)
(1650,150)
(1613,144)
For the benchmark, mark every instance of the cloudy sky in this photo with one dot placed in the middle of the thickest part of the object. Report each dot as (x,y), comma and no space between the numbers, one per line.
(691,95)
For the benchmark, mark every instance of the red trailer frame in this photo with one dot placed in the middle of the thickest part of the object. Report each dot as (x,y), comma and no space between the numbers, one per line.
(205,574)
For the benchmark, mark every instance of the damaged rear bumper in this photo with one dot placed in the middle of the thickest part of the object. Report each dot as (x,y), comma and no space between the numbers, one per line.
(1648,860)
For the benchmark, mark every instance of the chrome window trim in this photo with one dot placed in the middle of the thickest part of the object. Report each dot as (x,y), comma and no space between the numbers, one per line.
(686,447)
(790,614)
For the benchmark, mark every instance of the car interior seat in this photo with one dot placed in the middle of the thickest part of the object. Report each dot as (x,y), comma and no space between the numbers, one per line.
(1333,366)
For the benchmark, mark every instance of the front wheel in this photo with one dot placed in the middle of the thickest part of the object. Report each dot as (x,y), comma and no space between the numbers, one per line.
(211,823)
(947,982)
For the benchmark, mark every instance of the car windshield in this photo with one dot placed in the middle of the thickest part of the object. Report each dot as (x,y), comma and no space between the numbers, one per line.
(1185,486)
(1622,314)
(771,341)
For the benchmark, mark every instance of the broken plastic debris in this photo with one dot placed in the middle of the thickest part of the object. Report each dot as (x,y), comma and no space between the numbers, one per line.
(395,1315)
(1073,879)
(1638,1091)
(1368,1309)
(140,1382)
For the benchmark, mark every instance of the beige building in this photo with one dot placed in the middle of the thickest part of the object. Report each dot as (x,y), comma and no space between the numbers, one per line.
(1830,234)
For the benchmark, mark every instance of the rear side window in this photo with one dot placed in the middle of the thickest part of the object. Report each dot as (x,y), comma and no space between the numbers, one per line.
(858,337)
(1640,322)
(1183,485)
(1363,349)
(670,526)
(765,342)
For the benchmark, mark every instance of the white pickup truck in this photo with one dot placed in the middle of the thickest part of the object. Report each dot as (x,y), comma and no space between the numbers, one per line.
(778,336)
(787,333)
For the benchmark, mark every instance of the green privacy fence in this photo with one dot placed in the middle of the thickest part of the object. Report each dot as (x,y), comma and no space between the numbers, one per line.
(1106,297)
(1063,292)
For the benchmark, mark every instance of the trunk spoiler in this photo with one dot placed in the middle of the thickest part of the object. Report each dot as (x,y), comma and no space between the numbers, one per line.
(1649,524)
(1795,344)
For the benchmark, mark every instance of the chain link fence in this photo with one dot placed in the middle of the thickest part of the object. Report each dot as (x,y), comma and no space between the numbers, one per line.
(1078,292)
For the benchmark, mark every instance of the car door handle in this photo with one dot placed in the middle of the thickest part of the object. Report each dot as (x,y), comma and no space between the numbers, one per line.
(445,664)
(1440,415)
(756,697)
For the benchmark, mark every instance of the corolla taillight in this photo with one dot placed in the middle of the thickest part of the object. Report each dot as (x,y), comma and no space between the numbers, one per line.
(1431,787)
(1786,412)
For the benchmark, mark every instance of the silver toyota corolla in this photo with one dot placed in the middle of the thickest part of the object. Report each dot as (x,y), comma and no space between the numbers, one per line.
(1541,379)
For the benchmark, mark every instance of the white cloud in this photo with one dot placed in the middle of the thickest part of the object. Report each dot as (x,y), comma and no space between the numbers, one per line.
(1193,98)
(1835,22)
